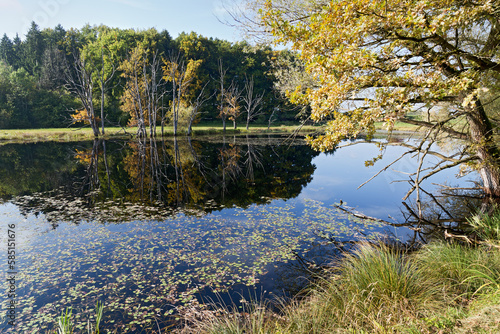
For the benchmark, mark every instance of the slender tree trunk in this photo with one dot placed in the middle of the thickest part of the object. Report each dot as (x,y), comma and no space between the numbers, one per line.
(175,109)
(92,120)
(95,128)
(102,92)
(102,112)
(162,117)
(270,120)
(177,166)
(142,164)
(481,135)
(175,118)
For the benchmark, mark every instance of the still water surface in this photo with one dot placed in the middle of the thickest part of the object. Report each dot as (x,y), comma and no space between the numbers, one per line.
(154,228)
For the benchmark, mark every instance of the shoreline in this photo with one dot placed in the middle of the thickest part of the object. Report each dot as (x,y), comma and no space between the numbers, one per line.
(12,136)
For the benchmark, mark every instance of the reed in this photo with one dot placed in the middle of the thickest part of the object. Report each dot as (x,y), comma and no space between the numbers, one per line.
(65,322)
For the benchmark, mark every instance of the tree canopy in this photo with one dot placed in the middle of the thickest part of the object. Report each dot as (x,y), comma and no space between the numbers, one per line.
(83,72)
(387,60)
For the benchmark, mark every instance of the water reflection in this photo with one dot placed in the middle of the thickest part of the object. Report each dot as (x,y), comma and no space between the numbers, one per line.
(117,181)
(149,227)
(445,199)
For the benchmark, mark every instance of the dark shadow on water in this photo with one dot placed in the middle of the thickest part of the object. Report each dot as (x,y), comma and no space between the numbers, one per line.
(89,180)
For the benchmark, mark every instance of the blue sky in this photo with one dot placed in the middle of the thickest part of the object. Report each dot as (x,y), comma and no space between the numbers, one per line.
(175,16)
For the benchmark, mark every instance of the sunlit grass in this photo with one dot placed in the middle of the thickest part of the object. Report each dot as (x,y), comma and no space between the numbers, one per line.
(76,134)
(251,317)
(376,290)
(487,227)
(59,134)
(463,270)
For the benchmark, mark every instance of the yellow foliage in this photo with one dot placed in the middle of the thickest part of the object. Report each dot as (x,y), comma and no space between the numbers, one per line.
(379,60)
(80,116)
(134,97)
(184,76)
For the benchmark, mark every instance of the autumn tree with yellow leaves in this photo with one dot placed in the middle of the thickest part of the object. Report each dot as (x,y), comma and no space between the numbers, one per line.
(181,74)
(382,60)
(143,89)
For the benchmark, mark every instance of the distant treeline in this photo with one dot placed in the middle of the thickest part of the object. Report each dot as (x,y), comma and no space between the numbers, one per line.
(106,76)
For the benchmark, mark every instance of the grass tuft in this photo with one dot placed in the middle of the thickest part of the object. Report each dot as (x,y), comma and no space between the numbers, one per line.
(376,289)
(65,323)
(487,226)
(379,289)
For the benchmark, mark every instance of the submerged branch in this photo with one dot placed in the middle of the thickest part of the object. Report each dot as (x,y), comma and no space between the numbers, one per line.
(360,215)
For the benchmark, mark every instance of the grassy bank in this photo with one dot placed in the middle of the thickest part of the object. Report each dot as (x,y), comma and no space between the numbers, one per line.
(68,134)
(445,287)
(81,134)
(61,135)
(398,126)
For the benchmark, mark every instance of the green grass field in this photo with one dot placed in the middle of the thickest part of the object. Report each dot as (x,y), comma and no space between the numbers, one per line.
(72,134)
(68,134)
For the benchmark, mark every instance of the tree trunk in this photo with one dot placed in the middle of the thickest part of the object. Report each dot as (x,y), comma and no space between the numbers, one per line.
(175,123)
(93,122)
(270,120)
(95,128)
(481,136)
(102,112)
(102,92)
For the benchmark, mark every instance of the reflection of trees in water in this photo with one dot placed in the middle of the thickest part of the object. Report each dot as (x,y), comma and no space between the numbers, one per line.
(151,179)
(443,213)
(438,216)
(29,168)
(148,179)
(430,216)
(185,173)
(90,158)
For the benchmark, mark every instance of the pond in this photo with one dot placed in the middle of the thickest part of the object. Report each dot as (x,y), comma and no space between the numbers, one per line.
(152,229)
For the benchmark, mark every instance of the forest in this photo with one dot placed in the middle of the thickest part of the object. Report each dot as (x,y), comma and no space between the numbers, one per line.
(100,76)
